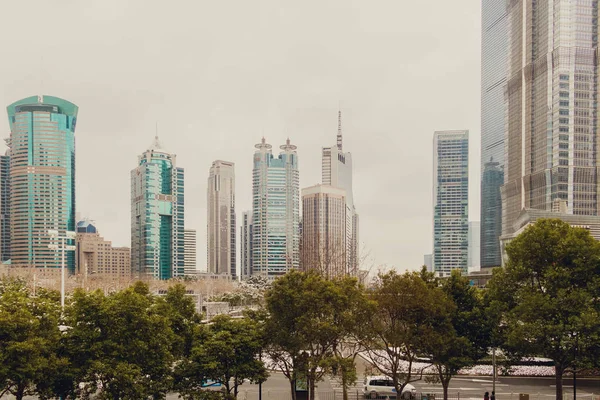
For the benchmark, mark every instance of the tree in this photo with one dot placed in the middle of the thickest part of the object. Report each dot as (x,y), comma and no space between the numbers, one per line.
(29,335)
(227,353)
(120,344)
(183,318)
(462,337)
(549,294)
(407,309)
(301,326)
(354,309)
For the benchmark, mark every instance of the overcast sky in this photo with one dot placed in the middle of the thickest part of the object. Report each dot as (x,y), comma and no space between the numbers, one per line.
(217,75)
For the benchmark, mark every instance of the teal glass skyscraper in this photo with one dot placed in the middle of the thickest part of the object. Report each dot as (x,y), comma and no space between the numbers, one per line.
(275,211)
(42,178)
(157,215)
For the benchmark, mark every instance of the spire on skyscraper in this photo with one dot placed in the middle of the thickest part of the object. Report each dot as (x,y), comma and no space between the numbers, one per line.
(339,134)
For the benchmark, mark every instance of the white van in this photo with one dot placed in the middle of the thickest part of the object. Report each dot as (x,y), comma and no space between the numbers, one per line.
(382,387)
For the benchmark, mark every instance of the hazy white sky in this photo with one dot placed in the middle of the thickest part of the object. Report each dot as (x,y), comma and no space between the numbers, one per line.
(217,75)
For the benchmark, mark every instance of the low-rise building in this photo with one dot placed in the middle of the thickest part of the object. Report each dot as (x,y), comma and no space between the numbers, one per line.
(96,256)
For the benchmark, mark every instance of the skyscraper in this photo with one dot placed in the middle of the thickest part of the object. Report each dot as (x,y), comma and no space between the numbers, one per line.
(221,219)
(337,172)
(275,211)
(157,215)
(494,53)
(324,231)
(5,208)
(451,201)
(42,178)
(552,109)
(246,245)
(189,247)
(473,260)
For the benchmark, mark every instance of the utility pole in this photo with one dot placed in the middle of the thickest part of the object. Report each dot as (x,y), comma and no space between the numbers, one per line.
(494,367)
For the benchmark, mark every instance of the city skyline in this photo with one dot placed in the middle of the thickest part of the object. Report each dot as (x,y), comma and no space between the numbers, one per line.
(205,111)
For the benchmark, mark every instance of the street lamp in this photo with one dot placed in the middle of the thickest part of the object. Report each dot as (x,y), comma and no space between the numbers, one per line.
(69,235)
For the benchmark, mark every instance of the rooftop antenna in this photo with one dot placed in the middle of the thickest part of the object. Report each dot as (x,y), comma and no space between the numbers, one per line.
(339,132)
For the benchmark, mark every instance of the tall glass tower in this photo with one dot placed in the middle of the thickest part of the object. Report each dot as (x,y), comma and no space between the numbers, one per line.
(157,215)
(4,208)
(275,211)
(451,201)
(42,181)
(494,54)
(552,109)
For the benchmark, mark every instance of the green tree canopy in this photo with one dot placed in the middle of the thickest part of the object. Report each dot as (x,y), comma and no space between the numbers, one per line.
(29,336)
(120,344)
(548,295)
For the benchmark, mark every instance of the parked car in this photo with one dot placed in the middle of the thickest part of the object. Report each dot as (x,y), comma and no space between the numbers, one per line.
(381,387)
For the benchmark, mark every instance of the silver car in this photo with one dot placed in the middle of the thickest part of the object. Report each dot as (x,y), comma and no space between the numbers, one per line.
(382,387)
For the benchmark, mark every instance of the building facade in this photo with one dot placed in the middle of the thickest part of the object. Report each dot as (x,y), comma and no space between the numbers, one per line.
(473,261)
(4,208)
(275,211)
(42,179)
(221,226)
(324,231)
(337,172)
(246,245)
(189,251)
(450,201)
(494,54)
(551,108)
(157,215)
(97,257)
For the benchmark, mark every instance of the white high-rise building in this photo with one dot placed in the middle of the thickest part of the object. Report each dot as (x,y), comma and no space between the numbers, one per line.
(275,211)
(221,219)
(189,246)
(337,172)
(450,201)
(473,262)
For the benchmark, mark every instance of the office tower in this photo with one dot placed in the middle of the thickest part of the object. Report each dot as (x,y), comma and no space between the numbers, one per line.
(324,231)
(337,172)
(275,211)
(221,219)
(551,133)
(246,245)
(42,179)
(157,215)
(189,246)
(473,260)
(5,208)
(428,262)
(97,257)
(451,201)
(491,214)
(494,54)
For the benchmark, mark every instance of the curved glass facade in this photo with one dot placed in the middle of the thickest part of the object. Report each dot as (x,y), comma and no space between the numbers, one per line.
(157,216)
(42,178)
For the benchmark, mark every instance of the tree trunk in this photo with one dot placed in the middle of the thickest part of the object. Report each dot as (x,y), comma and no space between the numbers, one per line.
(559,384)
(445,387)
(344,384)
(311,385)
(20,392)
(235,387)
(293,388)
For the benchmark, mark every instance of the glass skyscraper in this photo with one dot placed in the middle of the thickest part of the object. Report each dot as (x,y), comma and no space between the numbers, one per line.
(42,179)
(451,201)
(275,211)
(4,208)
(494,53)
(157,215)
(552,109)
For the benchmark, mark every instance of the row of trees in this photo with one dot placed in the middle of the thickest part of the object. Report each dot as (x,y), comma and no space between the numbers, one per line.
(135,345)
